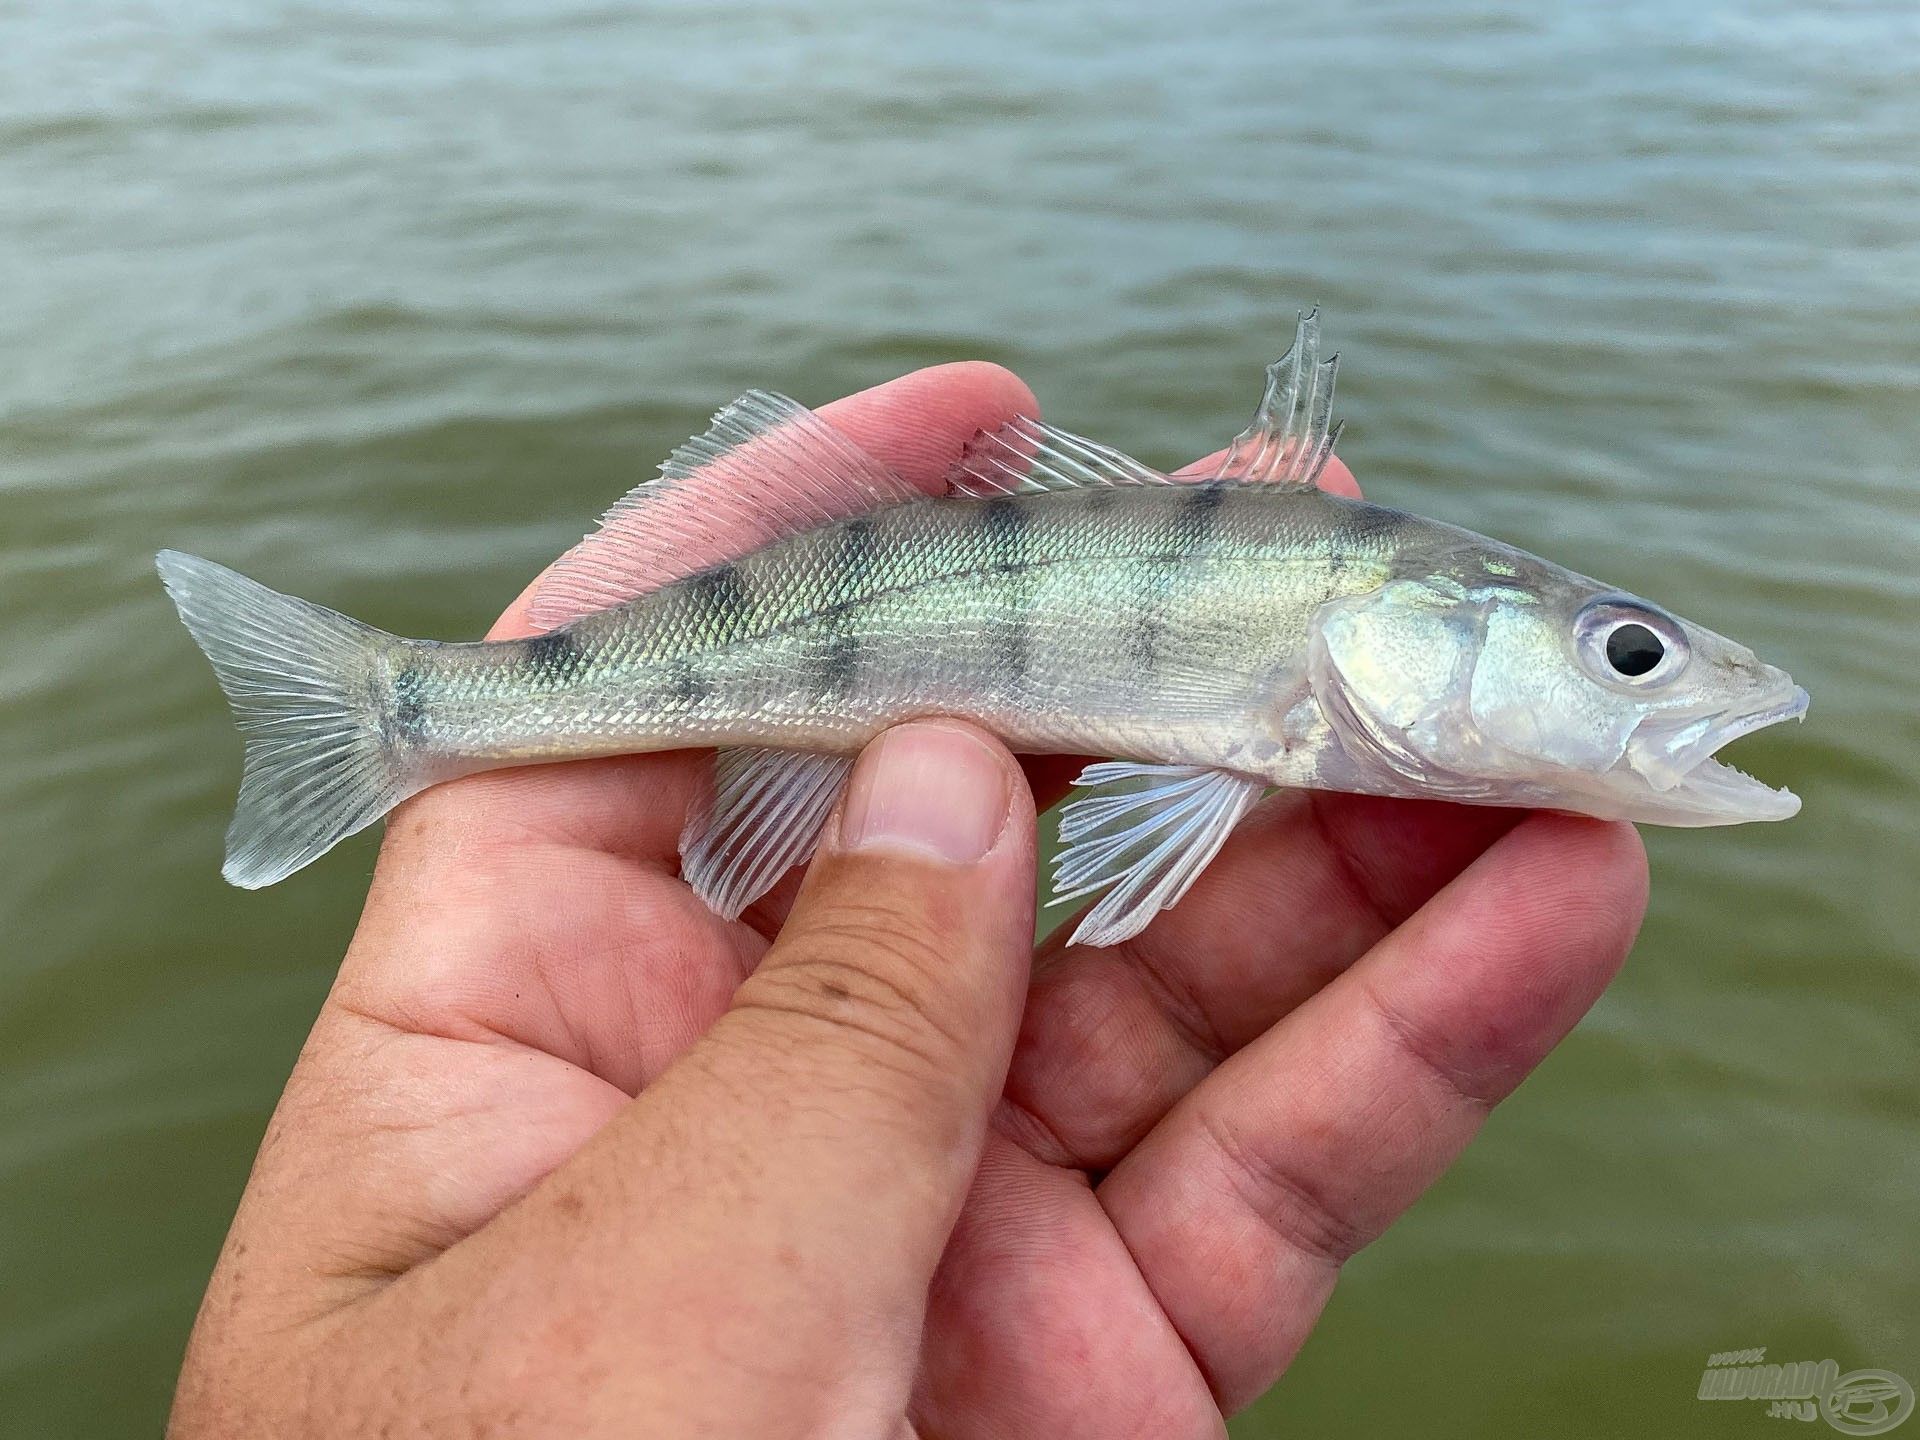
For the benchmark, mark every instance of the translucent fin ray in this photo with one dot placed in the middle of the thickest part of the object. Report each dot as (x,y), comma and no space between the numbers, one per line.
(298,675)
(1027,457)
(1292,432)
(1146,831)
(1288,443)
(765,817)
(766,468)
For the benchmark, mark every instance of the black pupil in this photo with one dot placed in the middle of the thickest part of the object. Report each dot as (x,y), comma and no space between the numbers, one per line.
(1634,649)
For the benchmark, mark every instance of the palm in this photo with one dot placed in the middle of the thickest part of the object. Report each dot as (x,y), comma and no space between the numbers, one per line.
(577,966)
(570,965)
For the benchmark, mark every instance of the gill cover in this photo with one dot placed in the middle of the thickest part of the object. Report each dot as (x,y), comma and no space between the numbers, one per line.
(1392,670)
(1462,693)
(1532,701)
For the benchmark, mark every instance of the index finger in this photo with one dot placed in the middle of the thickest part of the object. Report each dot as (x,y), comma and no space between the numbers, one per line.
(1241,1206)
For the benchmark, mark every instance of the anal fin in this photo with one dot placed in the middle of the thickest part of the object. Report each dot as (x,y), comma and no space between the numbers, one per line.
(1146,831)
(765,817)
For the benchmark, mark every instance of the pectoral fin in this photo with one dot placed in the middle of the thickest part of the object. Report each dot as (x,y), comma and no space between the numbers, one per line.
(1146,831)
(765,817)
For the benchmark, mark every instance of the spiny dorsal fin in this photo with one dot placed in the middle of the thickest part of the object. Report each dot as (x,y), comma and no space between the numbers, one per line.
(1292,433)
(1025,457)
(767,468)
(763,818)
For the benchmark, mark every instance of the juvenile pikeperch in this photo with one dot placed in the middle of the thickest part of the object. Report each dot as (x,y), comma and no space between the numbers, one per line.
(1221,636)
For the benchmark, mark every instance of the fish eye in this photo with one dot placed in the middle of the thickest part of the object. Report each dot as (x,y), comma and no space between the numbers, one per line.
(1633,649)
(1628,643)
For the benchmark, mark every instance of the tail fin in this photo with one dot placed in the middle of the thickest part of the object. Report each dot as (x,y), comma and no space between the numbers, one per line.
(302,681)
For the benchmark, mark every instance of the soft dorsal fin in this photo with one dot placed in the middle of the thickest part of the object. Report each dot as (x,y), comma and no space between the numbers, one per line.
(763,818)
(766,468)
(1025,457)
(1287,444)
(1292,433)
(1146,831)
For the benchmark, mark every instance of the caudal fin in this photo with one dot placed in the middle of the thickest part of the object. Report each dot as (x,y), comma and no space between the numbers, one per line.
(302,681)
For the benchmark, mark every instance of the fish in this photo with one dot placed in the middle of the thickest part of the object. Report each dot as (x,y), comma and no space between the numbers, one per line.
(1217,635)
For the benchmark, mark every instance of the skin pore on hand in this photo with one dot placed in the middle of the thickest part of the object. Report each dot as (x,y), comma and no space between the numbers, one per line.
(565,1154)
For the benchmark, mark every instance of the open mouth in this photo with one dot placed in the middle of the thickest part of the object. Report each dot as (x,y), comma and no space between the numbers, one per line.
(1676,759)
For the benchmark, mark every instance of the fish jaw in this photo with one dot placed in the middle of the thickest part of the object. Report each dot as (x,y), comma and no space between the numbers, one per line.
(1669,760)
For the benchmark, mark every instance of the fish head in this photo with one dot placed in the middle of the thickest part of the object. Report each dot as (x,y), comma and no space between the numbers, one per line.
(1536,686)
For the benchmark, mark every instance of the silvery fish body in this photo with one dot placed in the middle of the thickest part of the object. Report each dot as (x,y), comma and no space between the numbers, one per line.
(1220,635)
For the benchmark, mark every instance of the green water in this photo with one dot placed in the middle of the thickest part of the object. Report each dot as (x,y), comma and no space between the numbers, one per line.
(383,310)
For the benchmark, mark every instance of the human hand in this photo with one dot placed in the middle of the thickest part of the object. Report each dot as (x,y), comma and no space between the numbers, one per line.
(461,1222)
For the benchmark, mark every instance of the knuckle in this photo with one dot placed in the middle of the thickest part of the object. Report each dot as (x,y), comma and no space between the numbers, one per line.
(1299,1211)
(869,974)
(1098,1064)
(1468,1087)
(1178,1003)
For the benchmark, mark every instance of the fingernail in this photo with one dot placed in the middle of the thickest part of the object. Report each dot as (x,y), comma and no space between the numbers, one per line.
(931,788)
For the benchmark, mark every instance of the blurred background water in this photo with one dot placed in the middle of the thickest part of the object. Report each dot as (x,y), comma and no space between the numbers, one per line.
(384,304)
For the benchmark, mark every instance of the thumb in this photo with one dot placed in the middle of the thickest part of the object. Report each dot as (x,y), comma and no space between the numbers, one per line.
(874,1037)
(772,1207)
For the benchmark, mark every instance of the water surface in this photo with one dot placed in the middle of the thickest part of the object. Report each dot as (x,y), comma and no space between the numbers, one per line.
(383,309)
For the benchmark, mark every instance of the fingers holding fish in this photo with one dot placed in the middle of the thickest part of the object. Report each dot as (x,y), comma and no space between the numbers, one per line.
(1048,776)
(1334,477)
(1264,1077)
(1039,1322)
(1485,979)
(918,424)
(1115,1036)
(1244,1202)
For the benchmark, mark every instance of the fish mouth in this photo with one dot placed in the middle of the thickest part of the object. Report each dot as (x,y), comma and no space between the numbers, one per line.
(1675,758)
